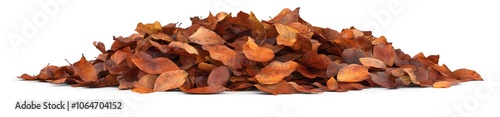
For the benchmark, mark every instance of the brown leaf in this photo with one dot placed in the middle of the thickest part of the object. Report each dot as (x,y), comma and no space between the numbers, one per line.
(85,70)
(353,73)
(205,90)
(332,84)
(303,89)
(382,79)
(180,48)
(146,81)
(466,75)
(385,53)
(205,36)
(256,53)
(100,46)
(276,71)
(281,87)
(372,62)
(218,76)
(156,66)
(151,28)
(170,80)
(352,55)
(287,35)
(27,77)
(224,54)
(441,84)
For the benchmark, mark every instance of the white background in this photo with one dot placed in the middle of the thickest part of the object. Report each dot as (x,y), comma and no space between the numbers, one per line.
(464,33)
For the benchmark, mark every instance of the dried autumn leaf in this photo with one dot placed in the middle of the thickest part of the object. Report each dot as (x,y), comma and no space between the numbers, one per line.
(204,36)
(86,71)
(353,73)
(385,53)
(303,89)
(27,77)
(287,35)
(332,84)
(218,76)
(441,84)
(352,55)
(372,62)
(170,80)
(181,48)
(156,66)
(382,79)
(281,87)
(224,54)
(146,81)
(256,53)
(211,89)
(276,71)
(100,46)
(148,28)
(466,75)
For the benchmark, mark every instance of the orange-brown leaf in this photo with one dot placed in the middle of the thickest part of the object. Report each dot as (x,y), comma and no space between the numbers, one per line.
(86,71)
(170,80)
(281,87)
(372,62)
(466,75)
(276,71)
(204,36)
(156,66)
(151,28)
(385,53)
(256,53)
(353,73)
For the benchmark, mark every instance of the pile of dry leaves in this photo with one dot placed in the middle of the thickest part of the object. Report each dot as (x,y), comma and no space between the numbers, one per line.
(281,56)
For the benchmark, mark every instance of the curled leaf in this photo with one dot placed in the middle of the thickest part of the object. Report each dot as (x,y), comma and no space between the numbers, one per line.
(253,52)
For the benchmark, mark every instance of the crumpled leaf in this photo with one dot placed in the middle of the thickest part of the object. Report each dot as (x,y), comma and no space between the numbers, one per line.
(85,70)
(276,71)
(287,35)
(149,28)
(170,80)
